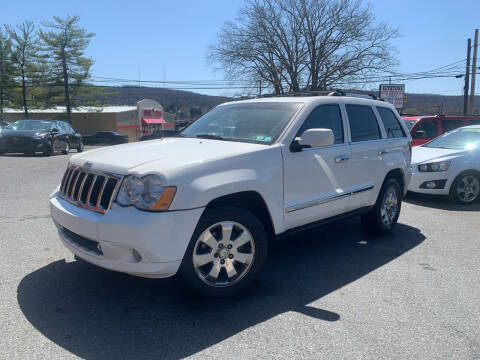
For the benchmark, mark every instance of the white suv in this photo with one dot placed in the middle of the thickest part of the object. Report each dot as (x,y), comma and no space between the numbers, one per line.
(205,204)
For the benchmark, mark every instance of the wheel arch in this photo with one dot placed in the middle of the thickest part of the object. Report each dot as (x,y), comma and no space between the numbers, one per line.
(399,175)
(248,200)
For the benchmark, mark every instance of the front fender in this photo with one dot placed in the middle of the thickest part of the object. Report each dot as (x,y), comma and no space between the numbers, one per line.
(264,177)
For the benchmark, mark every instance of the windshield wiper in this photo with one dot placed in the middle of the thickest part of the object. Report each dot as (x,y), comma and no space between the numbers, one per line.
(209,136)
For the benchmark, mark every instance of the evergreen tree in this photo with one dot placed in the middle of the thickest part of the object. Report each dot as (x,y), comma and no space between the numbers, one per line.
(24,54)
(7,81)
(63,43)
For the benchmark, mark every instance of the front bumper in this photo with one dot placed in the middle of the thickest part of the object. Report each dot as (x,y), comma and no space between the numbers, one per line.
(20,145)
(122,234)
(419,178)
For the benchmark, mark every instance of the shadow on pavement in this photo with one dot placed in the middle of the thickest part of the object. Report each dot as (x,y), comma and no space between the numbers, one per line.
(98,314)
(439,202)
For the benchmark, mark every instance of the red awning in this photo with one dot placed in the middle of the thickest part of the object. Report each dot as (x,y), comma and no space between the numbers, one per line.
(153,121)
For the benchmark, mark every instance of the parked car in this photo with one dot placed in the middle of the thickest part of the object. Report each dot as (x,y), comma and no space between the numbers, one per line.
(158,135)
(3,124)
(449,165)
(425,128)
(32,136)
(205,204)
(105,138)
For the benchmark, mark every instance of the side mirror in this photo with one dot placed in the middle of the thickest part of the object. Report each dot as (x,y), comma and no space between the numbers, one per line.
(420,134)
(54,130)
(316,138)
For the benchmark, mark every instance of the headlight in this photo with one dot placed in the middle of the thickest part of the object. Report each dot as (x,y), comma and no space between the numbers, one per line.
(146,193)
(434,167)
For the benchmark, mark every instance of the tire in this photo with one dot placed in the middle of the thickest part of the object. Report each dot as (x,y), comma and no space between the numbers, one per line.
(49,150)
(80,147)
(467,180)
(384,215)
(210,267)
(67,148)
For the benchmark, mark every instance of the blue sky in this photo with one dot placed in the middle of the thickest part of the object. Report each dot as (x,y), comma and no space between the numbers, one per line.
(147,36)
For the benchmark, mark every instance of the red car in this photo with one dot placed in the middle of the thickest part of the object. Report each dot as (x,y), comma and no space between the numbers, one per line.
(425,128)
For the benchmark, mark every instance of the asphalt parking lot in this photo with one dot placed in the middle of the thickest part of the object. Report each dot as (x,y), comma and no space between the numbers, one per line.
(332,293)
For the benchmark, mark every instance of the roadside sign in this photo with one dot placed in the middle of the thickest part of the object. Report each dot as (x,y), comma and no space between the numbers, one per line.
(393,93)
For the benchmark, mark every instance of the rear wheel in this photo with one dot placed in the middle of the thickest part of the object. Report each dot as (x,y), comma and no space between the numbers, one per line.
(466,188)
(384,216)
(226,253)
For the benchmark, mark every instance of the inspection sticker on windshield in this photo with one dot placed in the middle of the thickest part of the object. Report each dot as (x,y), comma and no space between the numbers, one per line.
(263,138)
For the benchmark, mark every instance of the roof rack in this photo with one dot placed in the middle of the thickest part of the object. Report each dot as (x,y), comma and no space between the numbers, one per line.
(336,92)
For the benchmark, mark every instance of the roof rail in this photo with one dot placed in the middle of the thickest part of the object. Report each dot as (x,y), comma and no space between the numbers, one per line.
(336,92)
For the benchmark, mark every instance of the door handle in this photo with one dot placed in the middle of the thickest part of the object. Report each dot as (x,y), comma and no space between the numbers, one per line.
(383,152)
(341,158)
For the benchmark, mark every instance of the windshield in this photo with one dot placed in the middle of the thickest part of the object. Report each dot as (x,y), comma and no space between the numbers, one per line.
(410,123)
(37,125)
(259,122)
(462,139)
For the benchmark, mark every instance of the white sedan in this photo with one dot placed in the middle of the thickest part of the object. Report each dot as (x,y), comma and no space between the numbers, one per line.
(449,165)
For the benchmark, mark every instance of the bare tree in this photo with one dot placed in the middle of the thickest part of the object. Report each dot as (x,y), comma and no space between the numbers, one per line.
(23,38)
(304,44)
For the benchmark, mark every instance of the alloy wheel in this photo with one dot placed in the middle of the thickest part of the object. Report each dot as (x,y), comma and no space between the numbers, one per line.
(389,207)
(468,188)
(223,254)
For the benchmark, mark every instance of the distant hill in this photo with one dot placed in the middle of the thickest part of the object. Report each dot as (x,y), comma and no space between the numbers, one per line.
(431,104)
(185,104)
(190,105)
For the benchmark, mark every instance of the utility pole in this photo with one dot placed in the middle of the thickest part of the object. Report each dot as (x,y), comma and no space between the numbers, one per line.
(467,78)
(474,73)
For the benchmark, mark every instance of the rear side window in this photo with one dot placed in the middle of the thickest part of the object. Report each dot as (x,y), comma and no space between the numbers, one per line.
(449,125)
(426,129)
(390,121)
(325,117)
(363,124)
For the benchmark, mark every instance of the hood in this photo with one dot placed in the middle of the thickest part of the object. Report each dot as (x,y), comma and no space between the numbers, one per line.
(421,154)
(161,155)
(20,133)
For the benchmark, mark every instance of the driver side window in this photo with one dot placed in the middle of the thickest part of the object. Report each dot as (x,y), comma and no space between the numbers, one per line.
(325,117)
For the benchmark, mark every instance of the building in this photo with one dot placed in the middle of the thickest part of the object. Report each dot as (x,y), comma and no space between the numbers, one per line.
(143,119)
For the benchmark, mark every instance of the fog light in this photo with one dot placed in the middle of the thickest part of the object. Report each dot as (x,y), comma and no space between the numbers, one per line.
(137,255)
(431,185)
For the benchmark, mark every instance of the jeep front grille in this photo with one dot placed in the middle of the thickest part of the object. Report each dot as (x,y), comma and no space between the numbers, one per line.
(89,189)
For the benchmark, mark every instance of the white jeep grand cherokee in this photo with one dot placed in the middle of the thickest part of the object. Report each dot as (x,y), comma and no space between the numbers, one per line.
(205,204)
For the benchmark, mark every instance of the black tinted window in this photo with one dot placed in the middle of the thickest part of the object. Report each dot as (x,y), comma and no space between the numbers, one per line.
(67,127)
(390,121)
(325,117)
(449,125)
(363,124)
(426,129)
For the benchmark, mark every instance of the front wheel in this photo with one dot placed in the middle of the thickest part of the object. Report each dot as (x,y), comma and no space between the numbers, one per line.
(49,149)
(466,188)
(80,146)
(226,253)
(384,215)
(66,150)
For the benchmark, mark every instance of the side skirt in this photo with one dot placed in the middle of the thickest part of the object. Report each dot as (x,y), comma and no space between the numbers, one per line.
(322,222)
